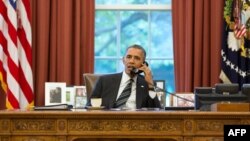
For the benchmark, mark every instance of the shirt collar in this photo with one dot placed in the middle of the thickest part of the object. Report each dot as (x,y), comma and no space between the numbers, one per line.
(126,77)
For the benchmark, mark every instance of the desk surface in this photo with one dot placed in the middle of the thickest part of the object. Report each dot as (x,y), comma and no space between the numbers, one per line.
(82,124)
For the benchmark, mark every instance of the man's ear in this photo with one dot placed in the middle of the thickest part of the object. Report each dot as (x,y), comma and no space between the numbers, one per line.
(123,60)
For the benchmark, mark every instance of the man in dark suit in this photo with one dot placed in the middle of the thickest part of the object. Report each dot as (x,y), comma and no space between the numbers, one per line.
(110,87)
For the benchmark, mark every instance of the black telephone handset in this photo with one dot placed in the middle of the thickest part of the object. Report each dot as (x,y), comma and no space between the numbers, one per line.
(137,71)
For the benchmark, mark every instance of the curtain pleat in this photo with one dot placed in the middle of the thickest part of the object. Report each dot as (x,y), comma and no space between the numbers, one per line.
(197,35)
(63,42)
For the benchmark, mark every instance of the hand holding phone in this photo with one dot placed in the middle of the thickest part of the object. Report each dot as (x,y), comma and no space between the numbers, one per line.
(137,71)
(147,73)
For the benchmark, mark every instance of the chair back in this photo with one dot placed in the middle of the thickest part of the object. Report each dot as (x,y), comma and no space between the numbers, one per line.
(90,80)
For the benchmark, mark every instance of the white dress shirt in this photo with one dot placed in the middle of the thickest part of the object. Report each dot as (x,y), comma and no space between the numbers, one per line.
(131,103)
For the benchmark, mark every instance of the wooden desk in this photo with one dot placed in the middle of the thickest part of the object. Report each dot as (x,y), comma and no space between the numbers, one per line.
(104,125)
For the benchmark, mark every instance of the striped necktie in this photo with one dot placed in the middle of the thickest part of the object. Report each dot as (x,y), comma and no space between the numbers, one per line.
(124,95)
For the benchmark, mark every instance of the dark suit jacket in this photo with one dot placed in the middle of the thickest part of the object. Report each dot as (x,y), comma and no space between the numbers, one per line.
(108,85)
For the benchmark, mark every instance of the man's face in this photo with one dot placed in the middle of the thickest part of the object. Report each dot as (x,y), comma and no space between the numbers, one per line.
(133,58)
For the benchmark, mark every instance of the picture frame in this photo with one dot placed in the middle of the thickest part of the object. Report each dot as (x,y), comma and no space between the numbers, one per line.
(160,84)
(70,95)
(182,100)
(80,97)
(55,93)
(161,94)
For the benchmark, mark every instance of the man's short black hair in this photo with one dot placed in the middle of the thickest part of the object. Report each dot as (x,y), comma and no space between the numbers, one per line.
(138,47)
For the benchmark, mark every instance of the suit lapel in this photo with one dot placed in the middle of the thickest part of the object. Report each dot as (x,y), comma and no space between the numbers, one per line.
(140,89)
(115,87)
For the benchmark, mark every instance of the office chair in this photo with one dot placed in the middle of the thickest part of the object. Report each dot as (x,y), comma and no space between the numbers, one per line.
(90,79)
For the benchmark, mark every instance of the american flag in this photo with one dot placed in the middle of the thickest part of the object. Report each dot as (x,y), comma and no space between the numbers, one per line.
(16,54)
(240,31)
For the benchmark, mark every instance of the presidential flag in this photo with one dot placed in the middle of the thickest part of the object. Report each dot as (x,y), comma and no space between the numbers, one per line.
(235,52)
(15,53)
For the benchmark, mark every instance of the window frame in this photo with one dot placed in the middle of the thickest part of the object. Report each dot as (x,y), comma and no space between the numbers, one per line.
(135,7)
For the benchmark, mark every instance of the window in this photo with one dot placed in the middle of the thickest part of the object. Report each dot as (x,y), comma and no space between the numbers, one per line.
(121,23)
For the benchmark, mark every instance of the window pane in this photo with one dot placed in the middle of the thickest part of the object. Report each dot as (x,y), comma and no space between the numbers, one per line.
(108,2)
(105,1)
(161,1)
(162,44)
(134,29)
(105,66)
(121,1)
(133,1)
(164,70)
(105,33)
(120,66)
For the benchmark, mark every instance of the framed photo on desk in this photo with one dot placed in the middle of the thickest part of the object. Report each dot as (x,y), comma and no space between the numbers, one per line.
(70,95)
(55,93)
(80,97)
(161,93)
(182,100)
